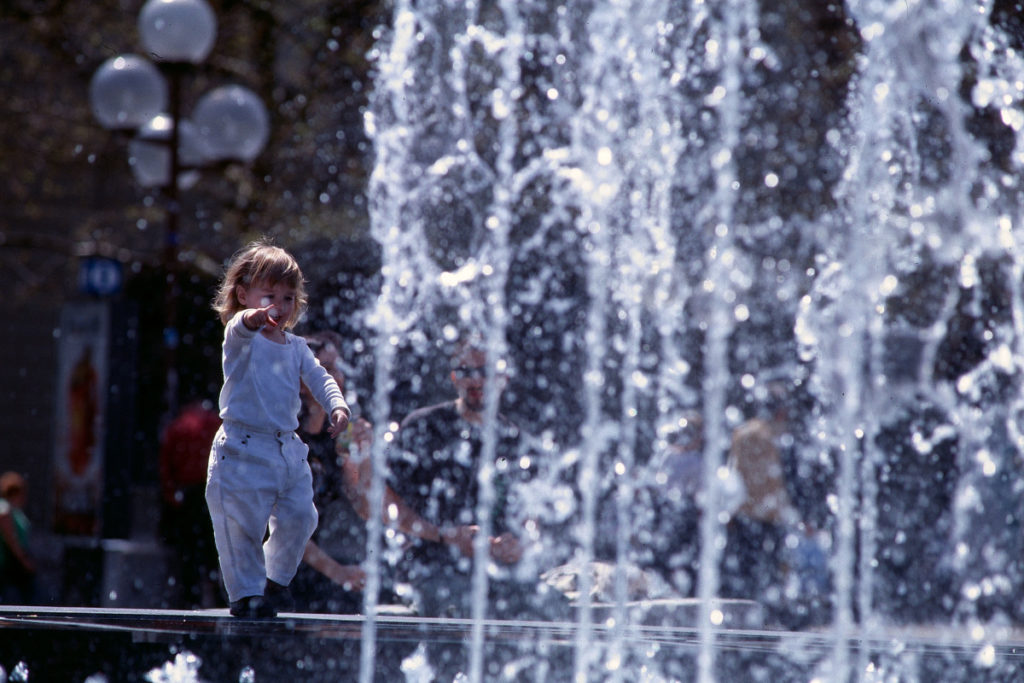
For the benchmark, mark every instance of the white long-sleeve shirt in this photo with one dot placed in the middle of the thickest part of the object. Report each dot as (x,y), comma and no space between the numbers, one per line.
(261,379)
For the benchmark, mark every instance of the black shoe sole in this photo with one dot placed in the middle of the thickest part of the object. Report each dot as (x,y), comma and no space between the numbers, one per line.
(252,607)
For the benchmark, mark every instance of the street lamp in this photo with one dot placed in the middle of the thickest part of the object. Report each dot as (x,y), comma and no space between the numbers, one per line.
(129,93)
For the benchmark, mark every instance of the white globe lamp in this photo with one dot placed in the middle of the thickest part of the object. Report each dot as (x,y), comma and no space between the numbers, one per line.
(149,154)
(233,122)
(126,92)
(178,30)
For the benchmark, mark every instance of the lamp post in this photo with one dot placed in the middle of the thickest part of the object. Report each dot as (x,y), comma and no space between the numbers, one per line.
(130,94)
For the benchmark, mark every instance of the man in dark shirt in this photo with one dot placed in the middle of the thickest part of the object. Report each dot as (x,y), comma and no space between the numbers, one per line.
(435,469)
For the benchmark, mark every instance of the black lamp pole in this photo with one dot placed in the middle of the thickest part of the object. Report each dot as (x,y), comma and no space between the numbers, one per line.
(170,250)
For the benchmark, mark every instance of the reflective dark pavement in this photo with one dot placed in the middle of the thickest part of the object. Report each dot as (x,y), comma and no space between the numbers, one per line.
(71,644)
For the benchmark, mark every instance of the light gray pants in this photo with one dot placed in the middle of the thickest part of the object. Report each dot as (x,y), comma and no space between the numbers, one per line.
(258,480)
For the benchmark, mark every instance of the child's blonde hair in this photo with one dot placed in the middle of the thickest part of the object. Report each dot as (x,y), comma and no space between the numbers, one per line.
(260,262)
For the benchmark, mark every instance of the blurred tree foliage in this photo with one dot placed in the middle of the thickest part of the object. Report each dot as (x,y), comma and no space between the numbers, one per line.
(66,187)
(65,184)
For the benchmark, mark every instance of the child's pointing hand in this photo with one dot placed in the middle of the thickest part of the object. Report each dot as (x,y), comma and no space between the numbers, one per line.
(255,318)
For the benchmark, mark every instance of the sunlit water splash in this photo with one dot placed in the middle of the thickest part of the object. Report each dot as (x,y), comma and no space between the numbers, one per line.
(652,208)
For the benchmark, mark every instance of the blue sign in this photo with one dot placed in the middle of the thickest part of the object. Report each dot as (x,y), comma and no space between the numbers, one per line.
(100,276)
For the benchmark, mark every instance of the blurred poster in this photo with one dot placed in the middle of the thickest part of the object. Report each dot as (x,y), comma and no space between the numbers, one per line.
(79,417)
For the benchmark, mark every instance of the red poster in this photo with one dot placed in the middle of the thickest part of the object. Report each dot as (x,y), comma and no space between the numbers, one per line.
(79,423)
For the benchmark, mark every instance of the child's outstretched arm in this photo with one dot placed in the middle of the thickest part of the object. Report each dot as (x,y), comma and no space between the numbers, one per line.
(326,391)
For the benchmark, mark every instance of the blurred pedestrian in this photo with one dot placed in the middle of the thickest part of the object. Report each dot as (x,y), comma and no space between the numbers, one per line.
(185,520)
(17,570)
(771,553)
(331,578)
(435,467)
(669,543)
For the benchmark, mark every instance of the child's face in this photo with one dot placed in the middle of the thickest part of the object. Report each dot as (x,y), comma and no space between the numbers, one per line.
(262,294)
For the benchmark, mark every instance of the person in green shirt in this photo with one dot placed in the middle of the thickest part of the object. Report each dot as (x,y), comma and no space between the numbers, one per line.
(17,571)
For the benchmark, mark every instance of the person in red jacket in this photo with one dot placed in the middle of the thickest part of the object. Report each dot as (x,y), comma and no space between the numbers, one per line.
(185,521)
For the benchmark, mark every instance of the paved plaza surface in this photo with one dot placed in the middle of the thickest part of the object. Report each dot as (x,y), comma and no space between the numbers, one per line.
(71,644)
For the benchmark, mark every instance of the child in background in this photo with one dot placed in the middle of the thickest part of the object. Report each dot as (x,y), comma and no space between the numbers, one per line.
(258,472)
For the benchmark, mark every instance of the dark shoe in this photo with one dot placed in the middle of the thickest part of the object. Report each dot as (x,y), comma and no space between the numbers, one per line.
(279,596)
(253,607)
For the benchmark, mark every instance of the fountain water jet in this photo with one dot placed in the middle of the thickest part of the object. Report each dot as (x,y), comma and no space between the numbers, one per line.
(652,208)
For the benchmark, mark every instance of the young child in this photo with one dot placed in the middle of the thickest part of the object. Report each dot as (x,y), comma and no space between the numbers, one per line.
(258,474)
